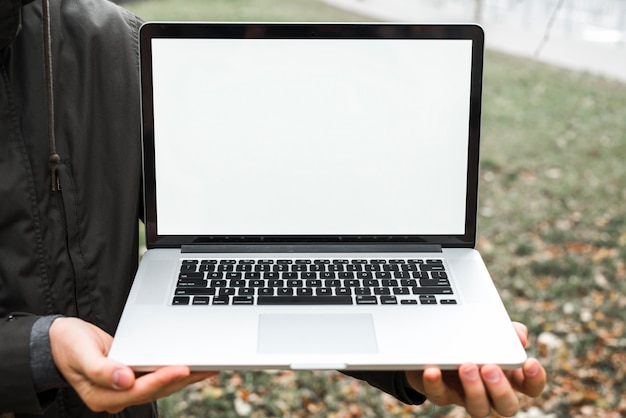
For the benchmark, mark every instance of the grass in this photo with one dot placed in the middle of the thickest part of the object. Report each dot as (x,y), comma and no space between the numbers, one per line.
(552,229)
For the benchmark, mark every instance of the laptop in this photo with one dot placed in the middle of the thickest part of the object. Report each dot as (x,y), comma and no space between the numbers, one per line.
(311,200)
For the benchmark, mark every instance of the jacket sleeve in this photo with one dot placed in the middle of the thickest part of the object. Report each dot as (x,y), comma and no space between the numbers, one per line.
(392,382)
(17,389)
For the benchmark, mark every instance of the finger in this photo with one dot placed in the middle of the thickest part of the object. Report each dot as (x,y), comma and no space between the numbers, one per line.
(522,332)
(476,400)
(503,398)
(435,388)
(147,388)
(530,379)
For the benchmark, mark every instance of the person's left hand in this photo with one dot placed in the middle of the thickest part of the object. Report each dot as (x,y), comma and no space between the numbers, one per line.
(479,389)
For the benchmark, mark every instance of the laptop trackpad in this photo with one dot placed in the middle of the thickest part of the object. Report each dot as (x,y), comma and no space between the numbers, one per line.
(316,333)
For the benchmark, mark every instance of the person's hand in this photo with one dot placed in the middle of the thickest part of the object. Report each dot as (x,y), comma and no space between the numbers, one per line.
(479,389)
(79,350)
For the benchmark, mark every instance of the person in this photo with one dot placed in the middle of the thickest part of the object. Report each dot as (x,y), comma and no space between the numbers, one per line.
(70,163)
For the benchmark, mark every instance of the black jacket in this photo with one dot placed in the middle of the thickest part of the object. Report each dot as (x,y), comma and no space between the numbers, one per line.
(73,251)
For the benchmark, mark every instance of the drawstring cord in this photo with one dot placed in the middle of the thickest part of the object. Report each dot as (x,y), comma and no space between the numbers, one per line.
(53,158)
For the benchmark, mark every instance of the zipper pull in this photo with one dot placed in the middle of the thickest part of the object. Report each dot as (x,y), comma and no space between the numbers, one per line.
(55,182)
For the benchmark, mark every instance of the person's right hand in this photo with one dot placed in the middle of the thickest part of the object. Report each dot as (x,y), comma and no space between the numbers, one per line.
(80,353)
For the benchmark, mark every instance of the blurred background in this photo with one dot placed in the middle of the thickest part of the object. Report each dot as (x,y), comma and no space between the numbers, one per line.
(552,223)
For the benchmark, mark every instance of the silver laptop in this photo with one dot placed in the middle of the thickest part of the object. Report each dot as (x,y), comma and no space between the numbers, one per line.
(311,200)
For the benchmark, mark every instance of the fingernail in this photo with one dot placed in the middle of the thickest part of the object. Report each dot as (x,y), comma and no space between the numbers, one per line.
(532,369)
(471,372)
(491,374)
(121,379)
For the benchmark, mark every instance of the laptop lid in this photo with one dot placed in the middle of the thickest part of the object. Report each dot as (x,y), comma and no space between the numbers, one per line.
(311,133)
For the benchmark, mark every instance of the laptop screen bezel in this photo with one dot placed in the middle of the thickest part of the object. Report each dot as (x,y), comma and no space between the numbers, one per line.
(153,30)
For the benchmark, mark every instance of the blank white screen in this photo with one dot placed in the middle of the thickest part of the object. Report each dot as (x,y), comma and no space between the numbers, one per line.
(311,137)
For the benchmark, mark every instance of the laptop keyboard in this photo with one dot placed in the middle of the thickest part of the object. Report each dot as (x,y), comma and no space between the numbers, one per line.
(313,282)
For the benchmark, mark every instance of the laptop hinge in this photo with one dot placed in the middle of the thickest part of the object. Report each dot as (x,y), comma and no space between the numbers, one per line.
(311,248)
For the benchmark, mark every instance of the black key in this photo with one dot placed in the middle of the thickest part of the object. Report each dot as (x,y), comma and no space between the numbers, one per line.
(409,267)
(201,300)
(262,267)
(401,275)
(266,291)
(401,291)
(448,301)
(284,291)
(346,275)
(272,275)
(364,275)
(335,267)
(252,276)
(420,275)
(354,267)
(371,283)
(244,267)
(434,282)
(314,283)
(221,300)
(284,262)
(343,291)
(438,274)
(321,262)
(388,300)
(233,276)
(324,291)
(192,283)
(227,291)
(230,262)
(218,283)
(391,267)
(280,267)
(373,267)
(309,276)
(408,302)
(351,283)
(188,267)
(359,261)
(225,267)
(295,283)
(339,261)
(317,267)
(257,283)
(190,262)
(206,267)
(428,300)
(380,261)
(299,267)
(208,262)
(181,300)
(304,291)
(382,275)
(366,300)
(362,291)
(431,267)
(276,283)
(389,283)
(439,290)
(245,291)
(194,291)
(434,261)
(327,275)
(266,262)
(191,276)
(215,275)
(397,261)
(304,300)
(409,282)
(303,261)
(382,291)
(243,300)
(332,283)
(291,276)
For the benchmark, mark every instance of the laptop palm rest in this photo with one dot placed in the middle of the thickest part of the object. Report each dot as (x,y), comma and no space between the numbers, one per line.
(320,334)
